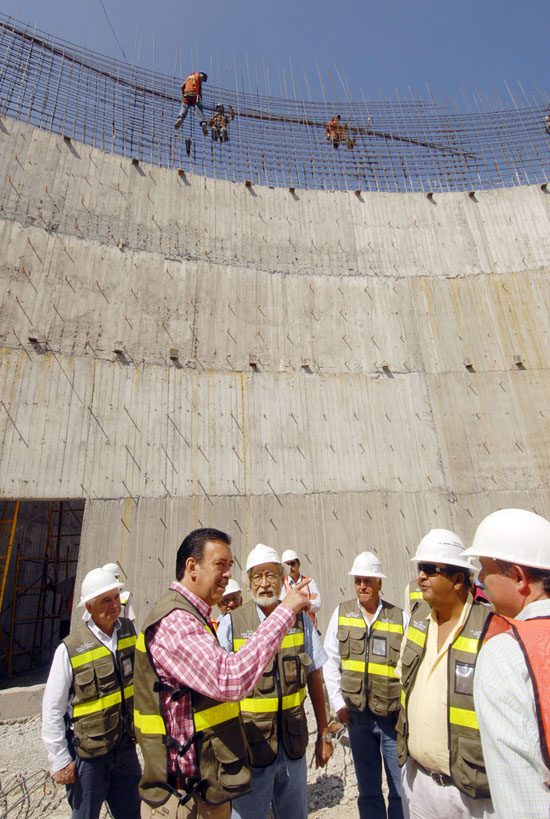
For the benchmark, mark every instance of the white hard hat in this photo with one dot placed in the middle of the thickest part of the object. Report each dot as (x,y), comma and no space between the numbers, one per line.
(289,554)
(261,554)
(442,546)
(514,535)
(97,582)
(366,564)
(114,568)
(231,588)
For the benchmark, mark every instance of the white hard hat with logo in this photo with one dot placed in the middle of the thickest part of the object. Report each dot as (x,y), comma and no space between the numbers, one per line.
(231,588)
(261,554)
(366,564)
(514,535)
(442,546)
(114,568)
(289,554)
(97,582)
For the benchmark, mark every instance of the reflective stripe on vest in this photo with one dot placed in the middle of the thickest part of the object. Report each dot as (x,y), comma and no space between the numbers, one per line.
(289,641)
(149,723)
(271,704)
(463,716)
(215,715)
(102,702)
(88,656)
(416,636)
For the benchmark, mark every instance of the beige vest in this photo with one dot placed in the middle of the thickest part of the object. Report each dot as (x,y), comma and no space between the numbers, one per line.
(102,692)
(219,737)
(368,666)
(465,757)
(274,710)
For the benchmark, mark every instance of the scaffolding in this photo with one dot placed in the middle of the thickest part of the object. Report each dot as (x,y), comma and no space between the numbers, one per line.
(402,145)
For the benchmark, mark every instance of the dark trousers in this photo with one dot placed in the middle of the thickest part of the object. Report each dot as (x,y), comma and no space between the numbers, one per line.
(111,778)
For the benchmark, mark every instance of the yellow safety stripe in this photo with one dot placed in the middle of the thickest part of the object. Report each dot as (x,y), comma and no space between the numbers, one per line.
(88,656)
(403,697)
(358,622)
(269,705)
(140,643)
(353,665)
(416,636)
(467,644)
(395,628)
(416,595)
(149,723)
(290,641)
(463,716)
(126,642)
(381,670)
(102,702)
(215,715)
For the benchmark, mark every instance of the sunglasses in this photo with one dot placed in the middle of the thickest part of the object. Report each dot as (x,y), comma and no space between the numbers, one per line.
(431,568)
(292,562)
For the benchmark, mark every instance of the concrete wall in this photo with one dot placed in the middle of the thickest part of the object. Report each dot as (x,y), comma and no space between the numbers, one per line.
(346,375)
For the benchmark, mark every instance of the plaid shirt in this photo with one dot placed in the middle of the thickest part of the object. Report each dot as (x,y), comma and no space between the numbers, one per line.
(186,653)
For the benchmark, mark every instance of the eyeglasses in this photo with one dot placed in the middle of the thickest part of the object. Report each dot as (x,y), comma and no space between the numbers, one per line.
(292,562)
(269,577)
(431,568)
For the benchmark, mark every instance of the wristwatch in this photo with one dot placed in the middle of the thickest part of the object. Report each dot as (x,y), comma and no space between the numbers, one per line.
(326,738)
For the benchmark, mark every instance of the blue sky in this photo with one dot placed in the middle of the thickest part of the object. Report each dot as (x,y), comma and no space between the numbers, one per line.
(377,47)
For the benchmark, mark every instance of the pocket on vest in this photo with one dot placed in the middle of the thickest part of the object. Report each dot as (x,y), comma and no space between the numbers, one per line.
(295,734)
(470,766)
(106,677)
(262,740)
(85,682)
(98,732)
(351,686)
(231,771)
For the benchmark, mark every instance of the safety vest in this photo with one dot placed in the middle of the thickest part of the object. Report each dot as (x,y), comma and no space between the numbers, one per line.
(368,664)
(533,636)
(465,757)
(415,595)
(102,690)
(192,85)
(276,703)
(218,736)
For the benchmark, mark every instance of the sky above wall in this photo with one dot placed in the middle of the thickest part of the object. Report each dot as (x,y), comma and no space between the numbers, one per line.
(345,50)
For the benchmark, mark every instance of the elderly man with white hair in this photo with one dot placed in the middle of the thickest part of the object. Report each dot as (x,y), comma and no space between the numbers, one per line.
(273,714)
(87,710)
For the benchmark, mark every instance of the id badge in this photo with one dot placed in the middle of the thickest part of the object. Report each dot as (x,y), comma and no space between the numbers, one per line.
(290,669)
(127,667)
(379,646)
(464,678)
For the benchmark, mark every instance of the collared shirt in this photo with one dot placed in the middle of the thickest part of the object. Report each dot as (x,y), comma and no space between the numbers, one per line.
(332,671)
(505,707)
(312,588)
(427,708)
(312,643)
(185,653)
(58,699)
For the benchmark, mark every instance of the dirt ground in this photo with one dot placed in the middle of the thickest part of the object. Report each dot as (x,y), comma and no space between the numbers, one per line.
(26,789)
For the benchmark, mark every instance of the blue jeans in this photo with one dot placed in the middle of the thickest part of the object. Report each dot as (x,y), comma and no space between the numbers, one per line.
(199,113)
(282,784)
(111,778)
(368,736)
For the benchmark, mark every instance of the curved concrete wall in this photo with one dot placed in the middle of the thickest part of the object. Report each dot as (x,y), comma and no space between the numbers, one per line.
(345,377)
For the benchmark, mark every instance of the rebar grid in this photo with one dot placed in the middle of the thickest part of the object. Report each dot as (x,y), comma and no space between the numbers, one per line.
(408,145)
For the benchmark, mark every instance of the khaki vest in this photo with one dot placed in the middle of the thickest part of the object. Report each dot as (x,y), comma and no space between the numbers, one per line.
(465,757)
(219,737)
(415,595)
(276,702)
(102,693)
(368,667)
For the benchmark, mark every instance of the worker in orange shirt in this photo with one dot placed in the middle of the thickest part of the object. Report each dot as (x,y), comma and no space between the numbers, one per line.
(336,132)
(191,97)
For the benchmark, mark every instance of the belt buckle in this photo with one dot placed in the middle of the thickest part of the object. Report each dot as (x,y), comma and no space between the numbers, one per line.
(439,778)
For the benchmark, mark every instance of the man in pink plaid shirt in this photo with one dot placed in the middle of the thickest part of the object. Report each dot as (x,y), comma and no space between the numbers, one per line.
(182,648)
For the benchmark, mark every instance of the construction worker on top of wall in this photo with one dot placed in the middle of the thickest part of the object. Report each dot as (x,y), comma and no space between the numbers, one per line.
(187,687)
(191,97)
(273,713)
(363,641)
(232,599)
(513,546)
(291,559)
(337,132)
(126,600)
(219,121)
(438,735)
(87,710)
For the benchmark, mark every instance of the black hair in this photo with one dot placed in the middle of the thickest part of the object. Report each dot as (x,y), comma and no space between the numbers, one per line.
(193,546)
(540,576)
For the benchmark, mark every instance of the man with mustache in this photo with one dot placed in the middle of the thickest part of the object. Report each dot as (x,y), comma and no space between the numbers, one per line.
(273,714)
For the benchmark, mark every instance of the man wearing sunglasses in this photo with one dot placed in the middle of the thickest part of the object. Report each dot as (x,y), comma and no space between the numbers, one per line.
(295,576)
(438,734)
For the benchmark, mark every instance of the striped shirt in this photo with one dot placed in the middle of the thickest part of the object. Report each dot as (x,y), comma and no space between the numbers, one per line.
(185,653)
(505,706)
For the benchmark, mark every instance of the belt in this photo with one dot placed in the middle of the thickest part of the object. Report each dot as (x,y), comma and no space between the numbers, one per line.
(438,777)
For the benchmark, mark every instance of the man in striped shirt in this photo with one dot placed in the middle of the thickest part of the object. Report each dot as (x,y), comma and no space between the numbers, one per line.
(187,657)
